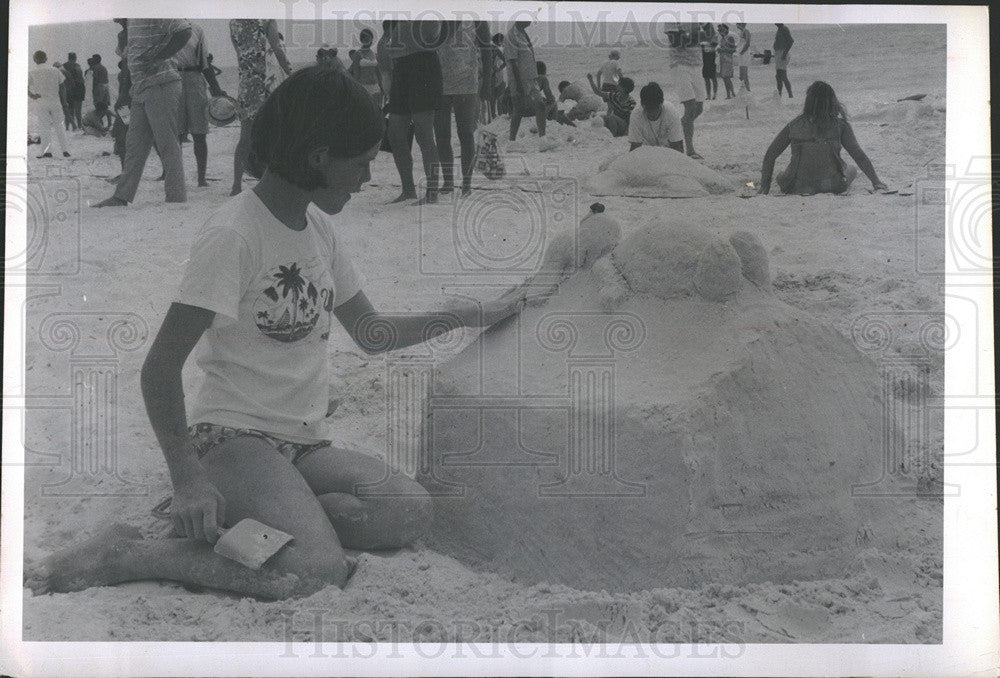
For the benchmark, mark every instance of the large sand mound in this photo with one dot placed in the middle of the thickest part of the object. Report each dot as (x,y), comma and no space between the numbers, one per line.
(662,420)
(656,172)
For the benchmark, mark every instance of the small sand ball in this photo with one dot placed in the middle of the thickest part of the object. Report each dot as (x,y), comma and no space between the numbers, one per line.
(753,258)
(662,259)
(598,235)
(718,273)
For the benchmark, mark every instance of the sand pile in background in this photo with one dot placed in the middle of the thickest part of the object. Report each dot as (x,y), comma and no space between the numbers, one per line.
(686,435)
(656,172)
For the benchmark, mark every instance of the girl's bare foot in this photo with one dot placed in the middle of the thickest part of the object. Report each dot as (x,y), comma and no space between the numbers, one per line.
(429,198)
(94,562)
(236,190)
(403,197)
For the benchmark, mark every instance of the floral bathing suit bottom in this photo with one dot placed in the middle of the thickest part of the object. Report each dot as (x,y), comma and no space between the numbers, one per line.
(207,436)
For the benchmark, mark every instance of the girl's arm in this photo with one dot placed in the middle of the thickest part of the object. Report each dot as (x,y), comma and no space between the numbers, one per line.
(376,332)
(776,148)
(277,47)
(198,508)
(850,144)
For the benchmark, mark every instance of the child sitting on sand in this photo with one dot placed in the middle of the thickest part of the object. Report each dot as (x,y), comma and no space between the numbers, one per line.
(620,105)
(267,276)
(816,137)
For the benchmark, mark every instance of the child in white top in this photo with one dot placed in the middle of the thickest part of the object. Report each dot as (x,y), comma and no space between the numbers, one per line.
(266,279)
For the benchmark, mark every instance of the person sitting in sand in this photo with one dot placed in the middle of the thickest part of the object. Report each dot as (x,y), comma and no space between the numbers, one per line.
(98,121)
(816,137)
(609,73)
(267,276)
(586,103)
(620,105)
(654,123)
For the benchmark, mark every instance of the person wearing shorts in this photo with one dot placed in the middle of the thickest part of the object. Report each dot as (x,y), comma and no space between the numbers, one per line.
(192,64)
(782,45)
(685,68)
(460,61)
(709,44)
(414,96)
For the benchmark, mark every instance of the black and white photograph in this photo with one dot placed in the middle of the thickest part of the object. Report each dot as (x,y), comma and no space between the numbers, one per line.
(498,339)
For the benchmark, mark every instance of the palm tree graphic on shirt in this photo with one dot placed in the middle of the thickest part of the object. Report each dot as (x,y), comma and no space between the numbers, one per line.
(289,308)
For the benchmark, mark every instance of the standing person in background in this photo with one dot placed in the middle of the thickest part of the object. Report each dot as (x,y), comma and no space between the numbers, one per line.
(709,43)
(76,89)
(43,92)
(365,67)
(744,53)
(384,60)
(251,38)
(492,80)
(413,98)
(100,90)
(609,73)
(119,129)
(685,69)
(782,45)
(459,56)
(522,79)
(192,63)
(156,96)
(726,50)
(68,123)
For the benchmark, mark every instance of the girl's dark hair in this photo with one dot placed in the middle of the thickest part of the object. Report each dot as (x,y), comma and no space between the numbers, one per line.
(314,107)
(627,85)
(563,85)
(822,107)
(497,38)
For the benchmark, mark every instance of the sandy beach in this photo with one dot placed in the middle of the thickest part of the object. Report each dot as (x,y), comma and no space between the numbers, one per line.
(841,261)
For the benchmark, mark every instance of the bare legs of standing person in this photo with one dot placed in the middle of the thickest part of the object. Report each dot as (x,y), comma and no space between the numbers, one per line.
(781,77)
(518,107)
(745,77)
(692,109)
(464,107)
(423,132)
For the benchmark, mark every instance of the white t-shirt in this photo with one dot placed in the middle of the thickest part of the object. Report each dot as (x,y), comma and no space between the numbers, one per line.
(44,79)
(273,291)
(660,132)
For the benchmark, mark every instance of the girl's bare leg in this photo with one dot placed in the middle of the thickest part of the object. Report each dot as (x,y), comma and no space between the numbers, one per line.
(369,506)
(241,156)
(258,483)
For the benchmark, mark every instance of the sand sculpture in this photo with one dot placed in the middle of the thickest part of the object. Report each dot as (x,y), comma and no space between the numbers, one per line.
(661,420)
(656,172)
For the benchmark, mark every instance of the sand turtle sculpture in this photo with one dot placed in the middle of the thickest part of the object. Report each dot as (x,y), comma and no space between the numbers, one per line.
(662,419)
(656,172)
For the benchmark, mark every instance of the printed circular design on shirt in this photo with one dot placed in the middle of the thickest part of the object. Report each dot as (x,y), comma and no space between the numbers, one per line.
(289,308)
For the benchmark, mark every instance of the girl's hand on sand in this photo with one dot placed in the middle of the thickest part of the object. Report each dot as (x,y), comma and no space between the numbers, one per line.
(197,510)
